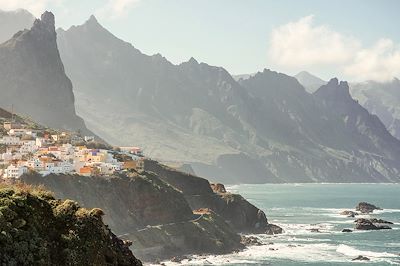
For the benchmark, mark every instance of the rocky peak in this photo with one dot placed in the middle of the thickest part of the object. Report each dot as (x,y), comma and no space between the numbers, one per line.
(334,90)
(46,22)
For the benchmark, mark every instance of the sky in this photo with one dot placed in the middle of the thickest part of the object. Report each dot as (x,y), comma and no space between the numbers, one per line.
(353,40)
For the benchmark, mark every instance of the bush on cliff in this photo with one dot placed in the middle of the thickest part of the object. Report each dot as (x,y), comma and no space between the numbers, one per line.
(37,229)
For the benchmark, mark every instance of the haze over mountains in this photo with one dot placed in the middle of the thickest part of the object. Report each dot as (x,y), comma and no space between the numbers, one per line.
(266,128)
(32,77)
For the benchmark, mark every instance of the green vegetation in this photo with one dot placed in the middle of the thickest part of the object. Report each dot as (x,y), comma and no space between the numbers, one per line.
(37,229)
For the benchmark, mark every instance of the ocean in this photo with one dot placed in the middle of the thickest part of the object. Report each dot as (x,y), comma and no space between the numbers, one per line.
(297,208)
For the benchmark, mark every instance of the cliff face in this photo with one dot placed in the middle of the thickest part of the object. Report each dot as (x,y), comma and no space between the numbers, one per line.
(148,211)
(38,229)
(32,77)
(233,208)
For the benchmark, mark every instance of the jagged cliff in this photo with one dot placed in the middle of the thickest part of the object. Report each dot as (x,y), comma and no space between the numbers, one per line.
(148,211)
(37,229)
(32,77)
(237,211)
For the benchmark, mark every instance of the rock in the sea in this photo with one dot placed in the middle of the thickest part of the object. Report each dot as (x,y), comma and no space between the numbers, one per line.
(347,230)
(365,207)
(349,213)
(379,221)
(363,258)
(366,224)
(314,230)
(250,241)
(273,229)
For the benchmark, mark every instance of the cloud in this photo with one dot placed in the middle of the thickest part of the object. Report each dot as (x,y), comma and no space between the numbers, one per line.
(380,62)
(36,7)
(116,8)
(302,45)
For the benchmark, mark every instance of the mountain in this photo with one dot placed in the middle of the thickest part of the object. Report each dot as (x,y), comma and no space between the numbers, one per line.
(14,21)
(310,82)
(32,77)
(382,99)
(266,128)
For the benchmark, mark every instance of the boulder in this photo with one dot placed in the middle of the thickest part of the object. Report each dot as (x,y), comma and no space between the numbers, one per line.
(272,229)
(365,207)
(379,221)
(347,230)
(349,213)
(366,224)
(362,258)
(250,241)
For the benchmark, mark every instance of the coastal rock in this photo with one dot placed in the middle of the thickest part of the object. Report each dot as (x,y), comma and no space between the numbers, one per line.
(379,221)
(218,187)
(349,213)
(361,258)
(243,216)
(366,224)
(273,229)
(149,212)
(250,241)
(347,230)
(365,207)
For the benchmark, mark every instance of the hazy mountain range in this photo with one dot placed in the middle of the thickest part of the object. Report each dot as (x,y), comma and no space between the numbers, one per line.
(262,128)
(310,82)
(32,77)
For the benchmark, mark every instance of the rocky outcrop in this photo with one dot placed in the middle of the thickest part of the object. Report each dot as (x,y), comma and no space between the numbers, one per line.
(373,224)
(365,207)
(37,229)
(349,213)
(147,211)
(32,78)
(361,258)
(237,211)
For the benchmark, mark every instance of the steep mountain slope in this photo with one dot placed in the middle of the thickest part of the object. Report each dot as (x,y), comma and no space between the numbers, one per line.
(14,21)
(32,77)
(310,82)
(381,99)
(266,128)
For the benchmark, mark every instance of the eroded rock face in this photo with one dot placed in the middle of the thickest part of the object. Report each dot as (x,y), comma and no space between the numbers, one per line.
(365,207)
(38,229)
(237,211)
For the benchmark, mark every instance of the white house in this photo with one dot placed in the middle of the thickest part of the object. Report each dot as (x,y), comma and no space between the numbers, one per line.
(13,171)
(11,140)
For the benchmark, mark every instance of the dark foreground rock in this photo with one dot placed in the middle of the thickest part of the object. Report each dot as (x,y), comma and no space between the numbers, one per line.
(347,230)
(366,224)
(37,229)
(365,207)
(361,258)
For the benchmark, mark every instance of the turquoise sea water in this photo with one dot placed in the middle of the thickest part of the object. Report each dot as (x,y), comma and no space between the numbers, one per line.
(297,208)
